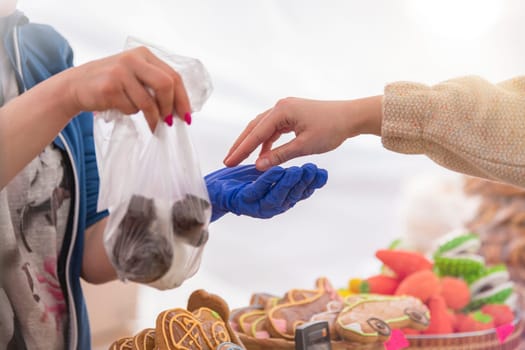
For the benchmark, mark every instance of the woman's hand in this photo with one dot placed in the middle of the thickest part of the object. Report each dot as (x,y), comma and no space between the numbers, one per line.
(130,81)
(319,127)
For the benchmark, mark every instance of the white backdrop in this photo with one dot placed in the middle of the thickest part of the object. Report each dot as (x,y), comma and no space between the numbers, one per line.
(260,51)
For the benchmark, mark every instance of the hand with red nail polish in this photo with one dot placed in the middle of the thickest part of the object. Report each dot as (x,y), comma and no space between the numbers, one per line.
(169,120)
(134,80)
(187,118)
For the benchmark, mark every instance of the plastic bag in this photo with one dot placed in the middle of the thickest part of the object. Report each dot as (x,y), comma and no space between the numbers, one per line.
(153,187)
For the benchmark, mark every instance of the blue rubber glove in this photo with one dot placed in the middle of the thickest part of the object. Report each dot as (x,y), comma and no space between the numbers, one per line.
(244,190)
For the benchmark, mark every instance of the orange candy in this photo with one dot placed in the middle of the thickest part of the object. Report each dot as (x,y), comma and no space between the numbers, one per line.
(422,285)
(402,262)
(440,320)
(456,292)
(473,322)
(379,284)
(501,314)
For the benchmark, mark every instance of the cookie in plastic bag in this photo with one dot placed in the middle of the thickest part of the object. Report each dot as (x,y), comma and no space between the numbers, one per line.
(153,187)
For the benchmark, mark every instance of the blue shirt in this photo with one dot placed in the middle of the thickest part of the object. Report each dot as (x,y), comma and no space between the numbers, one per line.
(36,53)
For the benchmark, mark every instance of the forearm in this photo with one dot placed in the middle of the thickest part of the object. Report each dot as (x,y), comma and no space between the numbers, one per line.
(96,266)
(30,122)
(466,124)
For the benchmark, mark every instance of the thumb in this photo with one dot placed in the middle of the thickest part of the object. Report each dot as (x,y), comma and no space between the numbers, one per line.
(279,155)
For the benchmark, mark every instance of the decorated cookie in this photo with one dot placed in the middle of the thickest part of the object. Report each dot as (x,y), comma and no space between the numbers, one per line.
(203,326)
(333,308)
(258,327)
(369,318)
(201,298)
(144,340)
(179,329)
(330,317)
(122,344)
(263,299)
(236,316)
(247,319)
(284,318)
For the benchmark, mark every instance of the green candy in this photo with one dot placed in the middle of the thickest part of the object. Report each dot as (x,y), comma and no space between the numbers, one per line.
(492,286)
(462,244)
(466,267)
(497,298)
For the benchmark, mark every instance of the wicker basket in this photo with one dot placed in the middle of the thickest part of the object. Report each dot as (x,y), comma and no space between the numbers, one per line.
(251,343)
(486,340)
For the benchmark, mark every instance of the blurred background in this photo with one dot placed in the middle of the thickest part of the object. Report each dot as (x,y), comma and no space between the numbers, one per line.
(260,51)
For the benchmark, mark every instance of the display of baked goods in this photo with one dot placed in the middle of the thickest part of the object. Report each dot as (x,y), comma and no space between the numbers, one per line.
(203,325)
(469,300)
(357,321)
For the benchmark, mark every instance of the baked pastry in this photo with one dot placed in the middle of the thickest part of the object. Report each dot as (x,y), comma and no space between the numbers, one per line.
(125,343)
(144,340)
(284,318)
(179,329)
(370,318)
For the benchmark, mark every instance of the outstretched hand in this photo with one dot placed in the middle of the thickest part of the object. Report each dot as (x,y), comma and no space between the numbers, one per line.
(244,190)
(319,127)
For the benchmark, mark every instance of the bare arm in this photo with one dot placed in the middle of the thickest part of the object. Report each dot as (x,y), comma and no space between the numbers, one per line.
(31,121)
(96,266)
(465,124)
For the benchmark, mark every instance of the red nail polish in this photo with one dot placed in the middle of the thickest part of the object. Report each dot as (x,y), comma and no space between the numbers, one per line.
(187,118)
(169,120)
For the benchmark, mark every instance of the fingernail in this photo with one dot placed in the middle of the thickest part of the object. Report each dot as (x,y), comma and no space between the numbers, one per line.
(263,163)
(187,118)
(169,120)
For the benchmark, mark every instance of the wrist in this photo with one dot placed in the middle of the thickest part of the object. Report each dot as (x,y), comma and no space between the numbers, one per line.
(366,116)
(68,106)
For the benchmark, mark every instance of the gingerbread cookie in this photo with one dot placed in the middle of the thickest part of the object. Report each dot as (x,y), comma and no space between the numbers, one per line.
(263,299)
(258,327)
(369,318)
(201,298)
(179,329)
(284,318)
(122,344)
(144,340)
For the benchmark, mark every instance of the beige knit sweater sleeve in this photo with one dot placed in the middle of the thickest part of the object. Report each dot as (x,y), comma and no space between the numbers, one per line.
(466,124)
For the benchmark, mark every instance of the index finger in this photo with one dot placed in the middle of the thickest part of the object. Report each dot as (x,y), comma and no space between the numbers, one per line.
(257,132)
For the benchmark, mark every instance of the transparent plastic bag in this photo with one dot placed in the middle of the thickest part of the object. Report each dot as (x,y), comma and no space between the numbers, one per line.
(153,187)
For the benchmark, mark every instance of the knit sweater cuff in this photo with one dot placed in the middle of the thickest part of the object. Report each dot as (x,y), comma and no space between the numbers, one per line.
(405,107)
